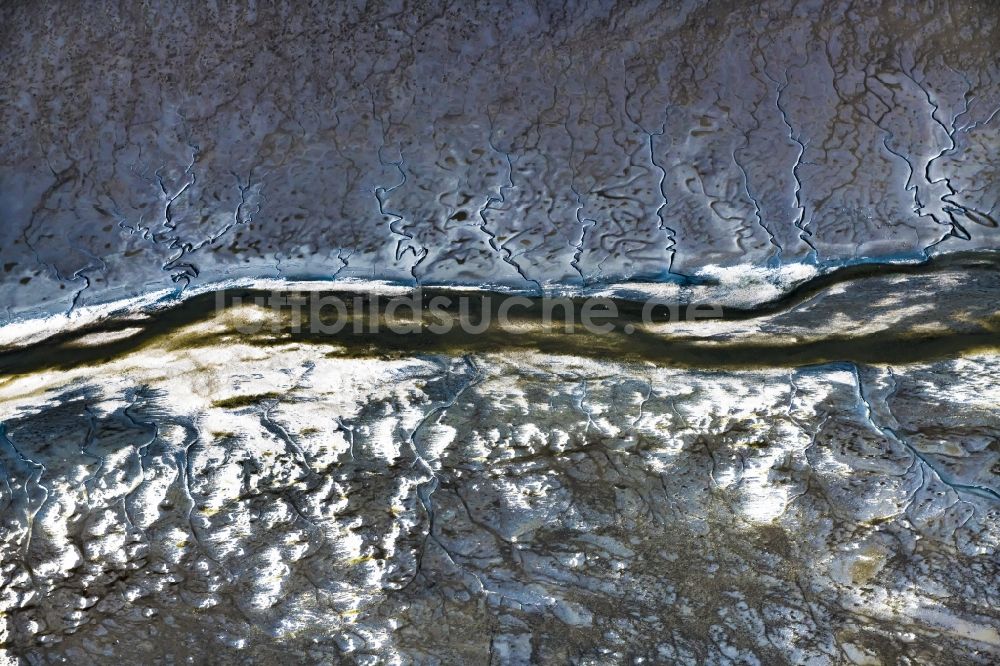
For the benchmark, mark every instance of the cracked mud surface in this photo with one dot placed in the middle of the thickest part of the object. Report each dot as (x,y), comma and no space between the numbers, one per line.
(260,498)
(256,502)
(813,478)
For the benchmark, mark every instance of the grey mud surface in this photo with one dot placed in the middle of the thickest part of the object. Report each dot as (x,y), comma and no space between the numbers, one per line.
(518,144)
(813,478)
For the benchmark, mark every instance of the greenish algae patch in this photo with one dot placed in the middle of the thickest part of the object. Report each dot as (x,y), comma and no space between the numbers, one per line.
(237,401)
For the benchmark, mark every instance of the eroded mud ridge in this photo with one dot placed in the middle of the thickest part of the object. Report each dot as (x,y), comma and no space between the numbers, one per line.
(190,489)
(521,144)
